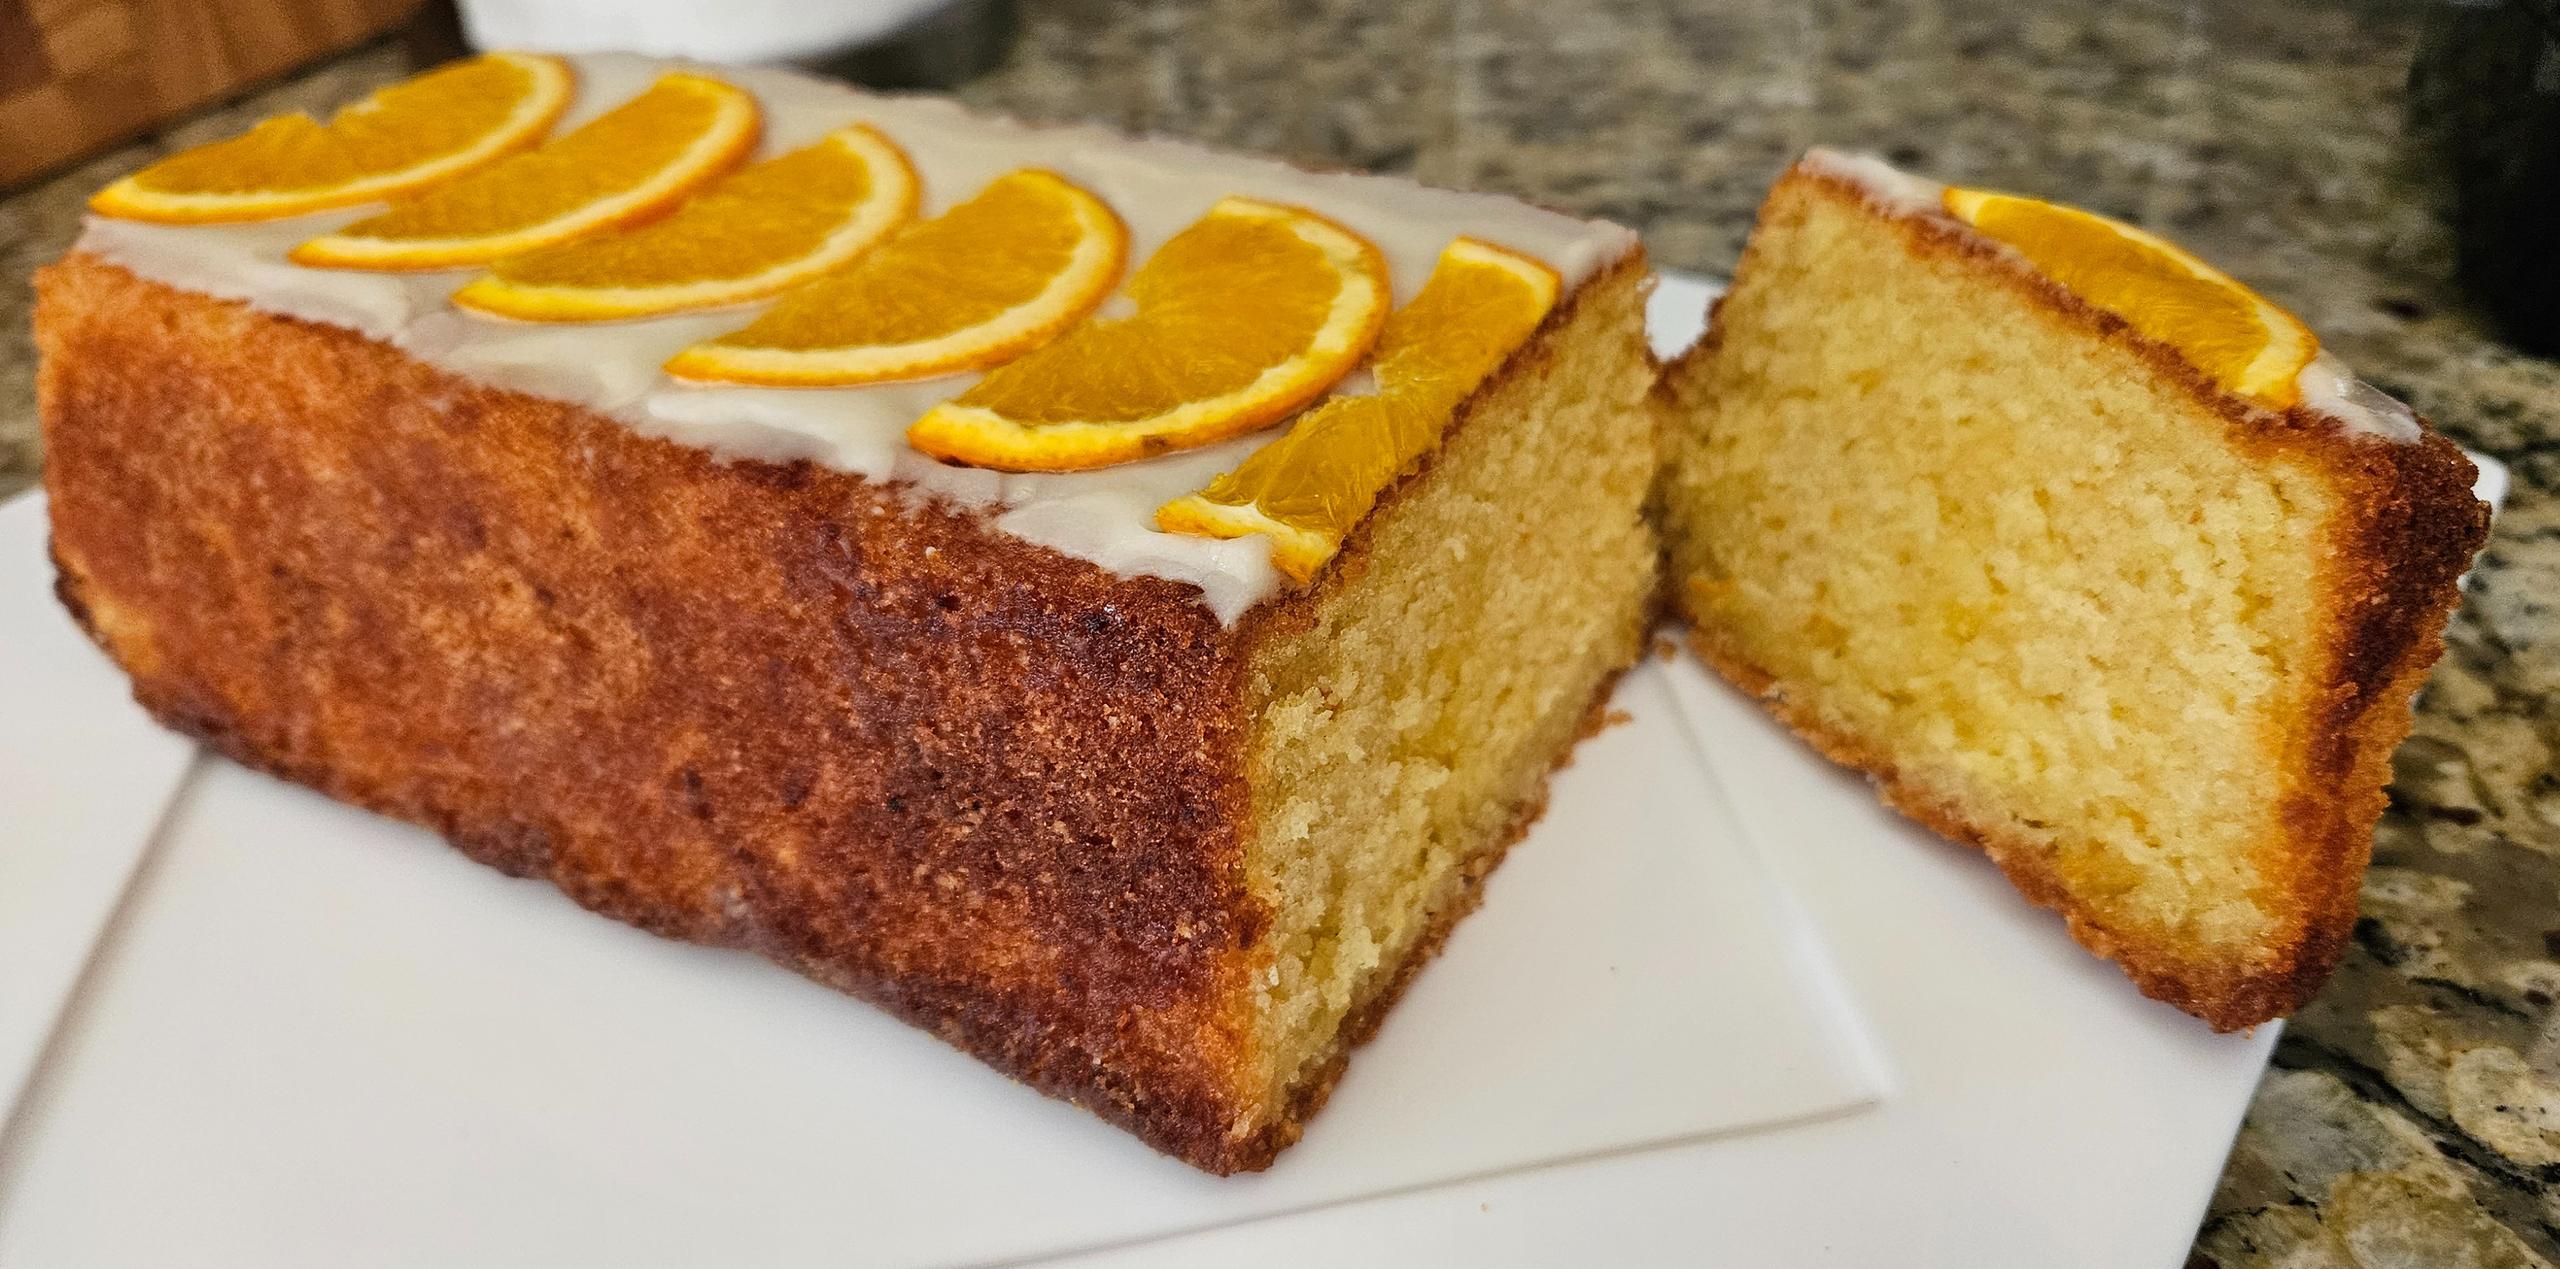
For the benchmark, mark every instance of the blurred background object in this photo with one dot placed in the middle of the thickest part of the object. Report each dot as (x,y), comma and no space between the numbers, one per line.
(955,43)
(2484,104)
(884,43)
(78,75)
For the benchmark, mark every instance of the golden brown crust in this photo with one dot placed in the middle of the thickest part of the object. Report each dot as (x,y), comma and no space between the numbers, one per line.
(2390,580)
(2393,579)
(992,788)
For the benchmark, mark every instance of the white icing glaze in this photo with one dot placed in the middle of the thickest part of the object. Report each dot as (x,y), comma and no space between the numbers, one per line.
(1888,185)
(2328,388)
(1157,186)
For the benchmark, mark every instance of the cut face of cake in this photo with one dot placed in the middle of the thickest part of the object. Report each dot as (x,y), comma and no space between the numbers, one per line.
(2080,550)
(1130,813)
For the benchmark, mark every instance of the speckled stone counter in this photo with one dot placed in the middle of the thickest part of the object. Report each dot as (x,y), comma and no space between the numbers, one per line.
(2412,1117)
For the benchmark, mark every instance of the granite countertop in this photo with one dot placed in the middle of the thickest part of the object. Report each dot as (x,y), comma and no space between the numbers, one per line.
(2412,1115)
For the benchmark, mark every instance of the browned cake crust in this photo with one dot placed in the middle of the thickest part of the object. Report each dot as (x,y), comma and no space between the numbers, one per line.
(2389,581)
(992,788)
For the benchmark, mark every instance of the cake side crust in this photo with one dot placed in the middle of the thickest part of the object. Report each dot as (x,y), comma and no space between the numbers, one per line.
(2395,571)
(984,785)
(2388,577)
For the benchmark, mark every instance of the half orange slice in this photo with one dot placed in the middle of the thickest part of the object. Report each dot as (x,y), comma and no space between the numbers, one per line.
(1246,315)
(2231,333)
(629,164)
(977,286)
(407,136)
(758,231)
(1308,488)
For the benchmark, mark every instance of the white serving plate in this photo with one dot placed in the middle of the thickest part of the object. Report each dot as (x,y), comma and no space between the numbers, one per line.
(1720,1008)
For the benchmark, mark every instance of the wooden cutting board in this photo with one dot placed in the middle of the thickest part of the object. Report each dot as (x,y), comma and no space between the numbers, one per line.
(77,75)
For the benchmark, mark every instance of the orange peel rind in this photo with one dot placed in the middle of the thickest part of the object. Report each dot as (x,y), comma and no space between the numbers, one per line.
(987,281)
(760,230)
(630,164)
(2231,333)
(1246,315)
(408,136)
(1308,488)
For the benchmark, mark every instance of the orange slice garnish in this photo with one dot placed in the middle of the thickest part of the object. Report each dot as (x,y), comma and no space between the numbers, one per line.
(1308,488)
(633,162)
(2231,333)
(1249,313)
(979,285)
(758,231)
(403,138)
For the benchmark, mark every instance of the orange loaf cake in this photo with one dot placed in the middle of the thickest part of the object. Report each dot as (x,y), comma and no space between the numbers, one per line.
(2082,551)
(1108,602)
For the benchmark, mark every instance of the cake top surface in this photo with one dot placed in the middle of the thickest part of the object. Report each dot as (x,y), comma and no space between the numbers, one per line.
(2324,385)
(1157,187)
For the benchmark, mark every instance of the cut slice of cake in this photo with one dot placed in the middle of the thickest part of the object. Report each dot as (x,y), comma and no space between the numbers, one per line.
(1127,813)
(2079,551)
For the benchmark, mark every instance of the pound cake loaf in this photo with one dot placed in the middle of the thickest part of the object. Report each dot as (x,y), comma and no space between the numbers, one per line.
(957,628)
(2083,552)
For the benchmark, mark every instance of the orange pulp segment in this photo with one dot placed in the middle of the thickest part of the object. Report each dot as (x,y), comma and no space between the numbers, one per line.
(629,164)
(979,285)
(1308,488)
(1246,315)
(757,231)
(404,137)
(2231,333)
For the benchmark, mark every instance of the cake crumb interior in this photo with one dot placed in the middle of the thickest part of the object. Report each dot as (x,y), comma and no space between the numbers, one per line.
(2032,578)
(1403,736)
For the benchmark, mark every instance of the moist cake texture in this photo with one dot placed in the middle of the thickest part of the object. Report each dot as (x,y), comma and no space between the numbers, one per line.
(2146,642)
(1108,808)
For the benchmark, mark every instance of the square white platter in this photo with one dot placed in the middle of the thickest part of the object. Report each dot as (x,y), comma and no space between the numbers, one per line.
(1719,1008)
